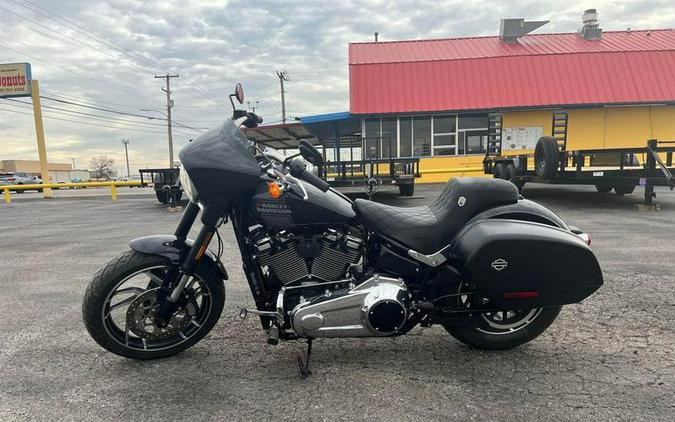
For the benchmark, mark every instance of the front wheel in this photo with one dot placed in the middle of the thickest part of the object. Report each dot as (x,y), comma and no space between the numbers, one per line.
(120,303)
(504,329)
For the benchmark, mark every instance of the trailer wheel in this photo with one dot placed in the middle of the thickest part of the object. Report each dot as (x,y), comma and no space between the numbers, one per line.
(407,189)
(622,190)
(499,171)
(546,157)
(603,188)
(510,172)
(161,196)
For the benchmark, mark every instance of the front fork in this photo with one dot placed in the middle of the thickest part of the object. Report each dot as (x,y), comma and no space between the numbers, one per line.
(211,218)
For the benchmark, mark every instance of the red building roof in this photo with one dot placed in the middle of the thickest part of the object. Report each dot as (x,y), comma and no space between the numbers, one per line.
(484,73)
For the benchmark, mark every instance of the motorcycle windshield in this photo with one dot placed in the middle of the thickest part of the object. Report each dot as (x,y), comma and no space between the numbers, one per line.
(222,148)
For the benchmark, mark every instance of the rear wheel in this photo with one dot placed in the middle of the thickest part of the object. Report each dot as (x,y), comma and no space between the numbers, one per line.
(503,329)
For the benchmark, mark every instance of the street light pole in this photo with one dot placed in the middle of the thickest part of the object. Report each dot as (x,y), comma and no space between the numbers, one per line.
(126,152)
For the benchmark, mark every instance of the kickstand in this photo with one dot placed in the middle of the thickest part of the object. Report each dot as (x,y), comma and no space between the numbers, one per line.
(304,364)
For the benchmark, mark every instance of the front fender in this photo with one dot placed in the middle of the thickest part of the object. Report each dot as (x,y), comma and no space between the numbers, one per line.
(164,245)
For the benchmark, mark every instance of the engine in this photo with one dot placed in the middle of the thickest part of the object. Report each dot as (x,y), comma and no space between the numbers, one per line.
(298,256)
(378,306)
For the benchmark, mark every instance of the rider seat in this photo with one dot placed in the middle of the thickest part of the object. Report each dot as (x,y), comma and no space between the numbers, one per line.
(429,228)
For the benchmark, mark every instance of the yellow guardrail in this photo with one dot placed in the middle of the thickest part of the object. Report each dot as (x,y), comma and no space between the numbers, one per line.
(113,187)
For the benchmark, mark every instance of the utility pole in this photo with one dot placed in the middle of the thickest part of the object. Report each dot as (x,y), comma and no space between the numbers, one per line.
(126,152)
(169,106)
(73,160)
(283,76)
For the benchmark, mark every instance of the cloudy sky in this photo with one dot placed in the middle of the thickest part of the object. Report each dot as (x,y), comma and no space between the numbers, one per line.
(104,54)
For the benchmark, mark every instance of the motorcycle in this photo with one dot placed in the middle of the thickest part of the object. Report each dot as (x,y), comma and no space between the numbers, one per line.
(494,269)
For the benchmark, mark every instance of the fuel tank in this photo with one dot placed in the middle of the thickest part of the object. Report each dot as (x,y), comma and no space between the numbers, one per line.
(290,210)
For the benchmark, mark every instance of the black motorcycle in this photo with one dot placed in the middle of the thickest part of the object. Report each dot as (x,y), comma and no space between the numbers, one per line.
(492,268)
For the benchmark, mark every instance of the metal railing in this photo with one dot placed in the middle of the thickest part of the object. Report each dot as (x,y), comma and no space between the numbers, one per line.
(113,187)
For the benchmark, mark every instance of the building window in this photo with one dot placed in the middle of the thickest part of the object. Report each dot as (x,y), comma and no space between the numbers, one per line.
(476,141)
(445,135)
(388,139)
(473,121)
(405,136)
(424,136)
(372,138)
(421,136)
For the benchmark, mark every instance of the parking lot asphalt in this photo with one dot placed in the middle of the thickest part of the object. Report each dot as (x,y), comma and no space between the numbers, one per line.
(610,358)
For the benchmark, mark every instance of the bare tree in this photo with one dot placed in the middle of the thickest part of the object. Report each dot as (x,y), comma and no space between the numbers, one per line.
(102,167)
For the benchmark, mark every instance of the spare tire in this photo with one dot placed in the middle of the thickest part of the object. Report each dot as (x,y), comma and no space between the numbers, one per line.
(546,157)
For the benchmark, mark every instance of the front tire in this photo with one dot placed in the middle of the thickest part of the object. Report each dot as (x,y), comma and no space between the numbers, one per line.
(105,321)
(514,328)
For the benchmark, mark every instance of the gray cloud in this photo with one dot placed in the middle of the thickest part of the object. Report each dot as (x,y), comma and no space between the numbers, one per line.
(216,43)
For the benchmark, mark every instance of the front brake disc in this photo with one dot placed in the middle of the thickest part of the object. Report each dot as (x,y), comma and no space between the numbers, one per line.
(141,318)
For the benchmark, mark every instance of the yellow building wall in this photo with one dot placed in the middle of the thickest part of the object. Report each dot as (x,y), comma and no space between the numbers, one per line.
(588,128)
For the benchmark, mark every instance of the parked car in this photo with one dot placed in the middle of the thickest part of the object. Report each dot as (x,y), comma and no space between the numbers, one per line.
(20,178)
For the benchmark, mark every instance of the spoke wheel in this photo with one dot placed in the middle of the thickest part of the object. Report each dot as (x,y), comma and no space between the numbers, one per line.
(121,302)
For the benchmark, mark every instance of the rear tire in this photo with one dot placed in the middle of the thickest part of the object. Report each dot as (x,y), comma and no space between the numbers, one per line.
(488,335)
(603,188)
(546,157)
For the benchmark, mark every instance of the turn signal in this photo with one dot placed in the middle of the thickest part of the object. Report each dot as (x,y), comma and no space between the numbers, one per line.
(274,190)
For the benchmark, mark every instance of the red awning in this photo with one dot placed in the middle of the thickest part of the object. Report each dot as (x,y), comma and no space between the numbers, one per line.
(485,73)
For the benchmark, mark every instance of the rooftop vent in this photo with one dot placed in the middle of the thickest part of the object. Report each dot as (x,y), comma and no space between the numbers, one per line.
(591,29)
(512,29)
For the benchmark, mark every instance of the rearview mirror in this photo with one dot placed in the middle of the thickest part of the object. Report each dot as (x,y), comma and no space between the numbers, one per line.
(310,153)
(239,93)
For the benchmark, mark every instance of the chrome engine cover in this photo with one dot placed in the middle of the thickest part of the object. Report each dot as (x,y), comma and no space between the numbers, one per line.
(376,307)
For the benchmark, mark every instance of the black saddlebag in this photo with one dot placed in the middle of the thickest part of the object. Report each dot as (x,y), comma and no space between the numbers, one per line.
(518,264)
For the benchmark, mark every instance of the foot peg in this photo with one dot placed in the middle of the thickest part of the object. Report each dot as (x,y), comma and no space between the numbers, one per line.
(304,364)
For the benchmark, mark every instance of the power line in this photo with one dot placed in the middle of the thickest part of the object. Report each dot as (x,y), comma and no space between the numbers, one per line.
(70,113)
(81,122)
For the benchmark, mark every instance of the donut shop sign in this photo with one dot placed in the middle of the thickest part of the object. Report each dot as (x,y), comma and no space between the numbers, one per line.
(15,80)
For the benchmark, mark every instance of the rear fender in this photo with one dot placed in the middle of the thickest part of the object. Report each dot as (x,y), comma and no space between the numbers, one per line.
(524,210)
(522,265)
(164,245)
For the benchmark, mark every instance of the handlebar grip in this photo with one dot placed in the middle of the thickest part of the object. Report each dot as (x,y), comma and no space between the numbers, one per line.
(315,181)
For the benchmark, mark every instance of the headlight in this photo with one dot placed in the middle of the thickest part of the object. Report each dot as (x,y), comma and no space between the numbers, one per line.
(187,185)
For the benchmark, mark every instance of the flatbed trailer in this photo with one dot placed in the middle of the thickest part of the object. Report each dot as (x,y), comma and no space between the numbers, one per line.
(618,169)
(165,182)
(373,173)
